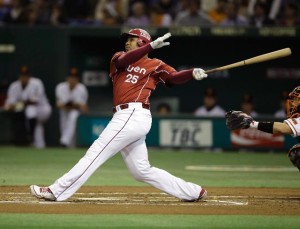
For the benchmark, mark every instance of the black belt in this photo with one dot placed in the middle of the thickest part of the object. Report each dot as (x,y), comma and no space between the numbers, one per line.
(126,105)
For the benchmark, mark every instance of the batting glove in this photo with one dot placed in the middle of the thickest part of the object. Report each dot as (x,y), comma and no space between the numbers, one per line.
(160,42)
(199,74)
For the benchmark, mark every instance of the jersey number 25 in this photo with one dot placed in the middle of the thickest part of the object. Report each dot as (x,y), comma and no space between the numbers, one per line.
(131,78)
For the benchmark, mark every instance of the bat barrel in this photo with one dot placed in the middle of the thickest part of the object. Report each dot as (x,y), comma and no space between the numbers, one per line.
(257,59)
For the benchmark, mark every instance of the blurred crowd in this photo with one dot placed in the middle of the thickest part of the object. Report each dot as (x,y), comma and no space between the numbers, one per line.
(161,13)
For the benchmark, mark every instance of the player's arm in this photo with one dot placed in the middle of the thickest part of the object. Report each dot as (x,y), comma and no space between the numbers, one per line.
(240,120)
(11,99)
(37,91)
(281,128)
(184,76)
(132,56)
(81,98)
(61,99)
(272,127)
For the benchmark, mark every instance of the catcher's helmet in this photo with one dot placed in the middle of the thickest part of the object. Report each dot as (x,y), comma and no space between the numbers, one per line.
(293,104)
(143,35)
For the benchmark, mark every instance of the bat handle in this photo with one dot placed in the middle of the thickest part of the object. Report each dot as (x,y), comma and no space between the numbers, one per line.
(210,71)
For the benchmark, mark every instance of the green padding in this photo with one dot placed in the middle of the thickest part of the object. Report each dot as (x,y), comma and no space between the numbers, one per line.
(176,132)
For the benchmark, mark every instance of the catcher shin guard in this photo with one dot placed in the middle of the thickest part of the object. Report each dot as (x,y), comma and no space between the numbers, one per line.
(294,155)
(143,35)
(293,103)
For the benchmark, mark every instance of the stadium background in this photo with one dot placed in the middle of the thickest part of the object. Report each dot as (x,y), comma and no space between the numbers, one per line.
(50,51)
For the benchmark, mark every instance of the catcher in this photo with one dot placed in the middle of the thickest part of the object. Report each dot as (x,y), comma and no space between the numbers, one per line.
(239,120)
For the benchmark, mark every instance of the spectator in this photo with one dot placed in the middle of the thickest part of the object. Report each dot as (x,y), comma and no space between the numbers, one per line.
(78,11)
(39,13)
(163,109)
(29,108)
(243,7)
(57,15)
(259,17)
(218,14)
(159,17)
(138,17)
(16,14)
(272,7)
(281,113)
(4,8)
(247,105)
(71,100)
(111,12)
(208,5)
(233,17)
(181,7)
(290,16)
(210,107)
(168,6)
(193,16)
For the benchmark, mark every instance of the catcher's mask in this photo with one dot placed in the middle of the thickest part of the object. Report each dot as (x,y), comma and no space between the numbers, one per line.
(293,104)
(143,35)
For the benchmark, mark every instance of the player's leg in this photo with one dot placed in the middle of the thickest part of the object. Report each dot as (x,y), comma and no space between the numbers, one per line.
(70,128)
(31,118)
(136,159)
(43,115)
(39,140)
(63,116)
(63,119)
(121,131)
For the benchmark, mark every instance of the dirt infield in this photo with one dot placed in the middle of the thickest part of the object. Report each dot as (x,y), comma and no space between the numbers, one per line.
(147,200)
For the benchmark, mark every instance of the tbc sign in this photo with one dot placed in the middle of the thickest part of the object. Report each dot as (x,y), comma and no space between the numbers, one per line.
(178,132)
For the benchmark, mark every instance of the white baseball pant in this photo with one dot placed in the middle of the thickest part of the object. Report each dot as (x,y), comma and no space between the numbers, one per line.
(68,122)
(42,114)
(126,133)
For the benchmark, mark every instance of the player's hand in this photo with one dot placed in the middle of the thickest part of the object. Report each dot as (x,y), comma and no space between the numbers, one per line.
(237,120)
(160,42)
(199,74)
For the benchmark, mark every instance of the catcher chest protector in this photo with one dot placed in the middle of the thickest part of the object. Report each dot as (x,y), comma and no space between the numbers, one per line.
(293,104)
(143,35)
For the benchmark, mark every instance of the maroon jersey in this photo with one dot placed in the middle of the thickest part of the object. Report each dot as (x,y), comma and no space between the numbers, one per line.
(136,82)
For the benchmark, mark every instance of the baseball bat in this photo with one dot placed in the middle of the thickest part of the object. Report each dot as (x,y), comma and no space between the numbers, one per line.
(257,59)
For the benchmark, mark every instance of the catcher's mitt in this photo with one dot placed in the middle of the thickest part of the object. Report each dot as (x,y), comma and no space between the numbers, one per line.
(294,155)
(237,120)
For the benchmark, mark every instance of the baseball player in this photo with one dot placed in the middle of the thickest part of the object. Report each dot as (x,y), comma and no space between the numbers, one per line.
(27,96)
(290,126)
(134,76)
(71,100)
(210,106)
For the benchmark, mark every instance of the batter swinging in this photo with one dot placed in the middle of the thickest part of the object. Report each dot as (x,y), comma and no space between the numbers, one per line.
(134,77)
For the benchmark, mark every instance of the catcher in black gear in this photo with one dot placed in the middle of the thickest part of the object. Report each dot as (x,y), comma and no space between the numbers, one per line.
(291,126)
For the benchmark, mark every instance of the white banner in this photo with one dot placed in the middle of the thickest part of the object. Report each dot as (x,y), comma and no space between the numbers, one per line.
(179,133)
(95,78)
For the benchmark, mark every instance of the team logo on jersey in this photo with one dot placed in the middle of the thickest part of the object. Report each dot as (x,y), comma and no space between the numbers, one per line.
(136,69)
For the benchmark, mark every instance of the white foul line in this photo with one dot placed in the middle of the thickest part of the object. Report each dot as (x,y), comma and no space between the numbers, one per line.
(234,168)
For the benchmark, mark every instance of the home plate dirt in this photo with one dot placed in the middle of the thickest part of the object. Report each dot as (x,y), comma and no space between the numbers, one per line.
(147,200)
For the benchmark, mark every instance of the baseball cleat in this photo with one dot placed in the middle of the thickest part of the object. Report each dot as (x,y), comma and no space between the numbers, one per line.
(202,196)
(42,192)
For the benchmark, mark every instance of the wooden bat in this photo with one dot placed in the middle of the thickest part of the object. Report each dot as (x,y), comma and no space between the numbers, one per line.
(257,59)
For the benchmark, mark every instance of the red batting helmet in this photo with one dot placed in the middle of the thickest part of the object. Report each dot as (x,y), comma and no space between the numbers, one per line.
(143,35)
